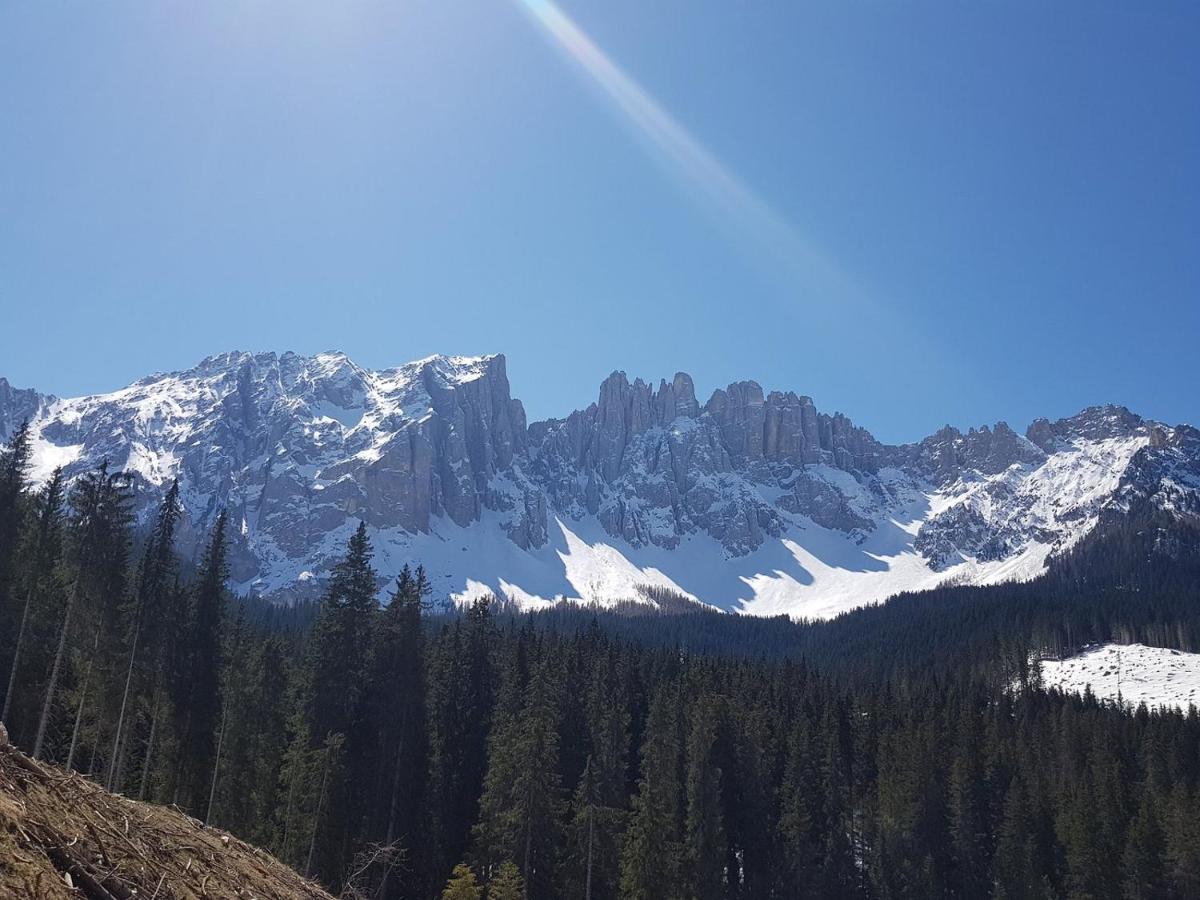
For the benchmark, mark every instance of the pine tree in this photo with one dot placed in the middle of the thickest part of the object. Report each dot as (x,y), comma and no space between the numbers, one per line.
(14,467)
(507,883)
(652,865)
(339,659)
(1144,859)
(41,550)
(204,644)
(969,807)
(154,624)
(332,712)
(1017,872)
(15,459)
(398,711)
(593,861)
(101,500)
(520,813)
(461,700)
(463,885)
(799,819)
(706,840)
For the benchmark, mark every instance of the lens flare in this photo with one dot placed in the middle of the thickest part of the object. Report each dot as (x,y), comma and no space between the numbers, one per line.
(739,207)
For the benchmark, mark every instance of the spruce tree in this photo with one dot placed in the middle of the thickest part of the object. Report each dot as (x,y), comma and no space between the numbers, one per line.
(101,500)
(507,883)
(398,713)
(800,810)
(42,550)
(14,468)
(204,646)
(332,713)
(1144,860)
(706,839)
(154,623)
(15,459)
(520,812)
(462,697)
(463,885)
(652,863)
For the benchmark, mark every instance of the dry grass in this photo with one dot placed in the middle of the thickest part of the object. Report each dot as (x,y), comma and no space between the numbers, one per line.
(61,836)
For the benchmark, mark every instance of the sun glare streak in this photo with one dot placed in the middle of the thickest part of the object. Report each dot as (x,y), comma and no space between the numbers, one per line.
(684,156)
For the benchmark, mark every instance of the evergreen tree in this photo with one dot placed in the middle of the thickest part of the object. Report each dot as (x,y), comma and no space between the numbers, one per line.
(463,885)
(969,807)
(506,884)
(462,696)
(1018,871)
(520,812)
(154,625)
(706,842)
(41,550)
(101,500)
(15,459)
(14,467)
(652,864)
(398,712)
(204,646)
(333,712)
(799,817)
(340,660)
(1144,859)
(598,818)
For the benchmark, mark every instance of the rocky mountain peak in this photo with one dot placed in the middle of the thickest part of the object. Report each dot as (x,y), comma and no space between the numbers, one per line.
(769,496)
(1095,423)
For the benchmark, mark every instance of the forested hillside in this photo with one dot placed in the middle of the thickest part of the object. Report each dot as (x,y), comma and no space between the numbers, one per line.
(901,751)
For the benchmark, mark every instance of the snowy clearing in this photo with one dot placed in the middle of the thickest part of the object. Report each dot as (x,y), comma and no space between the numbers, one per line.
(1135,673)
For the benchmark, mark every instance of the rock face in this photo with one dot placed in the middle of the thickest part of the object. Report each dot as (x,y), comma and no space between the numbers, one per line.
(789,502)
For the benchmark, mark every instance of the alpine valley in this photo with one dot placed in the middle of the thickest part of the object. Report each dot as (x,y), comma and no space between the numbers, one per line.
(753,502)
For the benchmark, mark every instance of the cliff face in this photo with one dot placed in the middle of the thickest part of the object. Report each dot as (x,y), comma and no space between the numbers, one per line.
(789,509)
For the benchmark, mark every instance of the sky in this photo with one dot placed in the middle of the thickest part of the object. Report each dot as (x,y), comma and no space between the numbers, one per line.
(916,213)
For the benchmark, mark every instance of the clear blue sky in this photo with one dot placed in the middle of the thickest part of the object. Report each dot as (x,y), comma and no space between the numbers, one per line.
(1003,199)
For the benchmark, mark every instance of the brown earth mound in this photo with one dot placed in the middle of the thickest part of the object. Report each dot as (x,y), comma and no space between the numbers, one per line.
(61,836)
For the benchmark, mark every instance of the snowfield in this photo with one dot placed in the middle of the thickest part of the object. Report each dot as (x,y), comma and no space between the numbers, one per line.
(1130,673)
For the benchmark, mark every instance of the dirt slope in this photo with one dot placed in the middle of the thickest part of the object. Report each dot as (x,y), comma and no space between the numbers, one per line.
(61,836)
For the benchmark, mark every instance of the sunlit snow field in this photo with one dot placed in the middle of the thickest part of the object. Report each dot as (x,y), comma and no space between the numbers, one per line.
(1134,672)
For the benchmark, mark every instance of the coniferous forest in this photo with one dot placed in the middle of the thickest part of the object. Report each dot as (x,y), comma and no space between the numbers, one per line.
(391,750)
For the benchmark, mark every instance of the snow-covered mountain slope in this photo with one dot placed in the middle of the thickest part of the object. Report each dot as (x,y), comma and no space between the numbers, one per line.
(751,502)
(1132,673)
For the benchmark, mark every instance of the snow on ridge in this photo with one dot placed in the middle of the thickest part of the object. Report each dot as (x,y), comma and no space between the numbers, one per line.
(298,448)
(1130,674)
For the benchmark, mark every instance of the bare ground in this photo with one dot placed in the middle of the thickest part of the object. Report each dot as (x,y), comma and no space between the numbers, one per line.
(62,836)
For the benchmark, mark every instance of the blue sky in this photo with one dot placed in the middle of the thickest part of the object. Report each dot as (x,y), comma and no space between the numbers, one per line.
(943,212)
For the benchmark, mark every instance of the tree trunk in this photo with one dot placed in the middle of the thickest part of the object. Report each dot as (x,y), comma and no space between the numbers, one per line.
(82,698)
(118,737)
(591,835)
(56,669)
(150,744)
(182,754)
(287,816)
(12,675)
(528,838)
(312,841)
(212,791)
(391,825)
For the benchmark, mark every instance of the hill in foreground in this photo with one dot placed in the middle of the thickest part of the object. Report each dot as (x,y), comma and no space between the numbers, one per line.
(62,836)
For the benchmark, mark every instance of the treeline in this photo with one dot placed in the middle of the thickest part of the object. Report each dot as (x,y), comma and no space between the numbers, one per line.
(111,657)
(391,753)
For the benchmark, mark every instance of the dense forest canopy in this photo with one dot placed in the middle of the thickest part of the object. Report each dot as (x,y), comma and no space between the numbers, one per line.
(390,750)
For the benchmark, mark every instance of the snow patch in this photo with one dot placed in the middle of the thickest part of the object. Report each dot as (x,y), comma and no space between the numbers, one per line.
(1129,673)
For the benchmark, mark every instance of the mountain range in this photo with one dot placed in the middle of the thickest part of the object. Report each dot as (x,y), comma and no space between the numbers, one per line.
(752,502)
